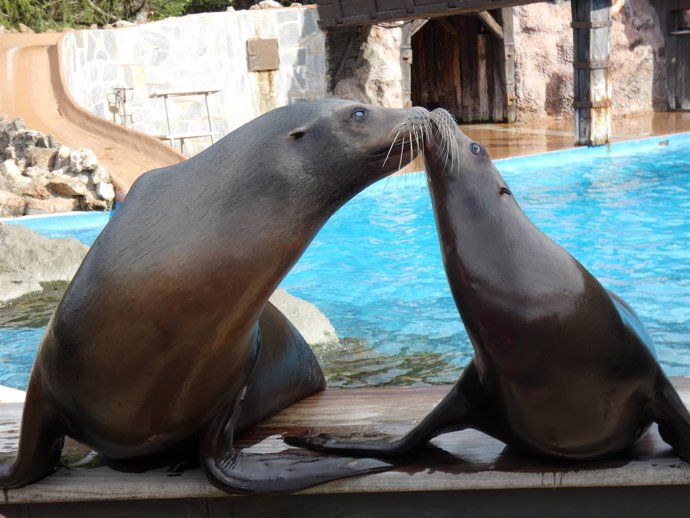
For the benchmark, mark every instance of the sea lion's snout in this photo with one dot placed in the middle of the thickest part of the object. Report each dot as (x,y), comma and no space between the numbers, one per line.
(441,139)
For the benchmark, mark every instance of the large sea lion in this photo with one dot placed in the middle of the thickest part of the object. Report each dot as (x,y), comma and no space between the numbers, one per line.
(165,341)
(562,367)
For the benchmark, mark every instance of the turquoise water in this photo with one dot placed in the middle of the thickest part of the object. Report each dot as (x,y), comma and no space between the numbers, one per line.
(376,272)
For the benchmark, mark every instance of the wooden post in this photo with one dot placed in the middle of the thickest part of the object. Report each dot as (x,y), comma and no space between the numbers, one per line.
(508,72)
(406,66)
(482,78)
(592,80)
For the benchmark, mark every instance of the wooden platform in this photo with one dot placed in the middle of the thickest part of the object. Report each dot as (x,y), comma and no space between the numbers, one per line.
(459,474)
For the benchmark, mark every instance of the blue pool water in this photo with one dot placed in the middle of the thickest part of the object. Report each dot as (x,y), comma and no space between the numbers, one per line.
(376,272)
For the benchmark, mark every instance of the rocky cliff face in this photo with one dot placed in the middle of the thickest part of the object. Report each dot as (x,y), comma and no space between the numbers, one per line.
(544,56)
(38,175)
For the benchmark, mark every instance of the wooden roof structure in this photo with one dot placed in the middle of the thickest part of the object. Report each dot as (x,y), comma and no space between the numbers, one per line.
(333,13)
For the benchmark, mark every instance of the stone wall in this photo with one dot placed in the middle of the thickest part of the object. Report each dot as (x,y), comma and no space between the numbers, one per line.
(198,52)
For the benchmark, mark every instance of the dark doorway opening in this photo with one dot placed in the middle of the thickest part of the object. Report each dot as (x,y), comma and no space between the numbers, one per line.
(462,65)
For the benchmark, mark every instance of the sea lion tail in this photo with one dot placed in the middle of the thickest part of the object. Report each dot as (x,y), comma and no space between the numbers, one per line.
(40,441)
(235,471)
(249,473)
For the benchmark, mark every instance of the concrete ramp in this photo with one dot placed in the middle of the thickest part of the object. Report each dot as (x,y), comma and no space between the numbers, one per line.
(32,87)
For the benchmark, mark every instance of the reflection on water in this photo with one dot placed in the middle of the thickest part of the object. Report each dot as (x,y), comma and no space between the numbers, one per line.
(352,364)
(32,310)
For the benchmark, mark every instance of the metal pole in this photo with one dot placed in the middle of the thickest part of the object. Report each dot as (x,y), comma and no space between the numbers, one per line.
(208,114)
(167,120)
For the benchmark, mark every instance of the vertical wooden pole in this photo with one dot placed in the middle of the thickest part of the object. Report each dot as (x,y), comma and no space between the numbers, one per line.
(482,79)
(508,72)
(406,66)
(592,79)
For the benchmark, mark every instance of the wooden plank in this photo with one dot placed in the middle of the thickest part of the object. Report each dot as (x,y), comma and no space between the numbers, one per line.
(497,81)
(508,71)
(416,25)
(668,21)
(643,502)
(455,462)
(447,26)
(482,78)
(456,70)
(493,25)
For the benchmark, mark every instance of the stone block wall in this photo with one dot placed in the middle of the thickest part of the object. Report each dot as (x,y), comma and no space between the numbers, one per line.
(197,52)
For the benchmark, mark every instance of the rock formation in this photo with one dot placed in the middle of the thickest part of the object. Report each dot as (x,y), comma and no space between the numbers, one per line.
(38,175)
(29,259)
(306,317)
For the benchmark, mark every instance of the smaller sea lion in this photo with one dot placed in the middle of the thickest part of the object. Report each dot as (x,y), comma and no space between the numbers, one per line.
(562,367)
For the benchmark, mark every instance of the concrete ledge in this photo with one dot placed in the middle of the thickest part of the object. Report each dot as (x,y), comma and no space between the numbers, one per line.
(457,469)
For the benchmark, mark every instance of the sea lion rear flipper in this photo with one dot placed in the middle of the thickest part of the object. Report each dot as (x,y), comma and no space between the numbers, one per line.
(672,416)
(40,442)
(454,412)
(232,470)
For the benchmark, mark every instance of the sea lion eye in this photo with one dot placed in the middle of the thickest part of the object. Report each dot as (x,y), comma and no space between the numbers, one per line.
(358,114)
(298,133)
(475,148)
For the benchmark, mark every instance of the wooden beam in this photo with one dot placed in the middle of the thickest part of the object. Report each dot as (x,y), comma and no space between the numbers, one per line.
(592,78)
(416,25)
(354,15)
(508,73)
(491,23)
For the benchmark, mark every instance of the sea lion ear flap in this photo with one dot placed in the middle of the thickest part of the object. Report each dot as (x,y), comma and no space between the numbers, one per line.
(297,133)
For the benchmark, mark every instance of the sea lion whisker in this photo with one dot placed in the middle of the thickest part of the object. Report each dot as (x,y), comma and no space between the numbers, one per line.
(401,153)
(411,145)
(419,139)
(395,139)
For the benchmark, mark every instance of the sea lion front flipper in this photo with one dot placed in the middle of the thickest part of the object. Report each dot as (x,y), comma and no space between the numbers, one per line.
(40,441)
(232,470)
(672,416)
(456,411)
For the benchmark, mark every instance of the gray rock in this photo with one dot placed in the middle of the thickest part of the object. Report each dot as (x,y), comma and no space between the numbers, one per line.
(11,204)
(105,191)
(36,189)
(11,178)
(51,205)
(306,317)
(67,185)
(63,157)
(27,259)
(40,156)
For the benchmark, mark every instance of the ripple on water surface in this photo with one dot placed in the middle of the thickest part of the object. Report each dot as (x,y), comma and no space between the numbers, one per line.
(375,268)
